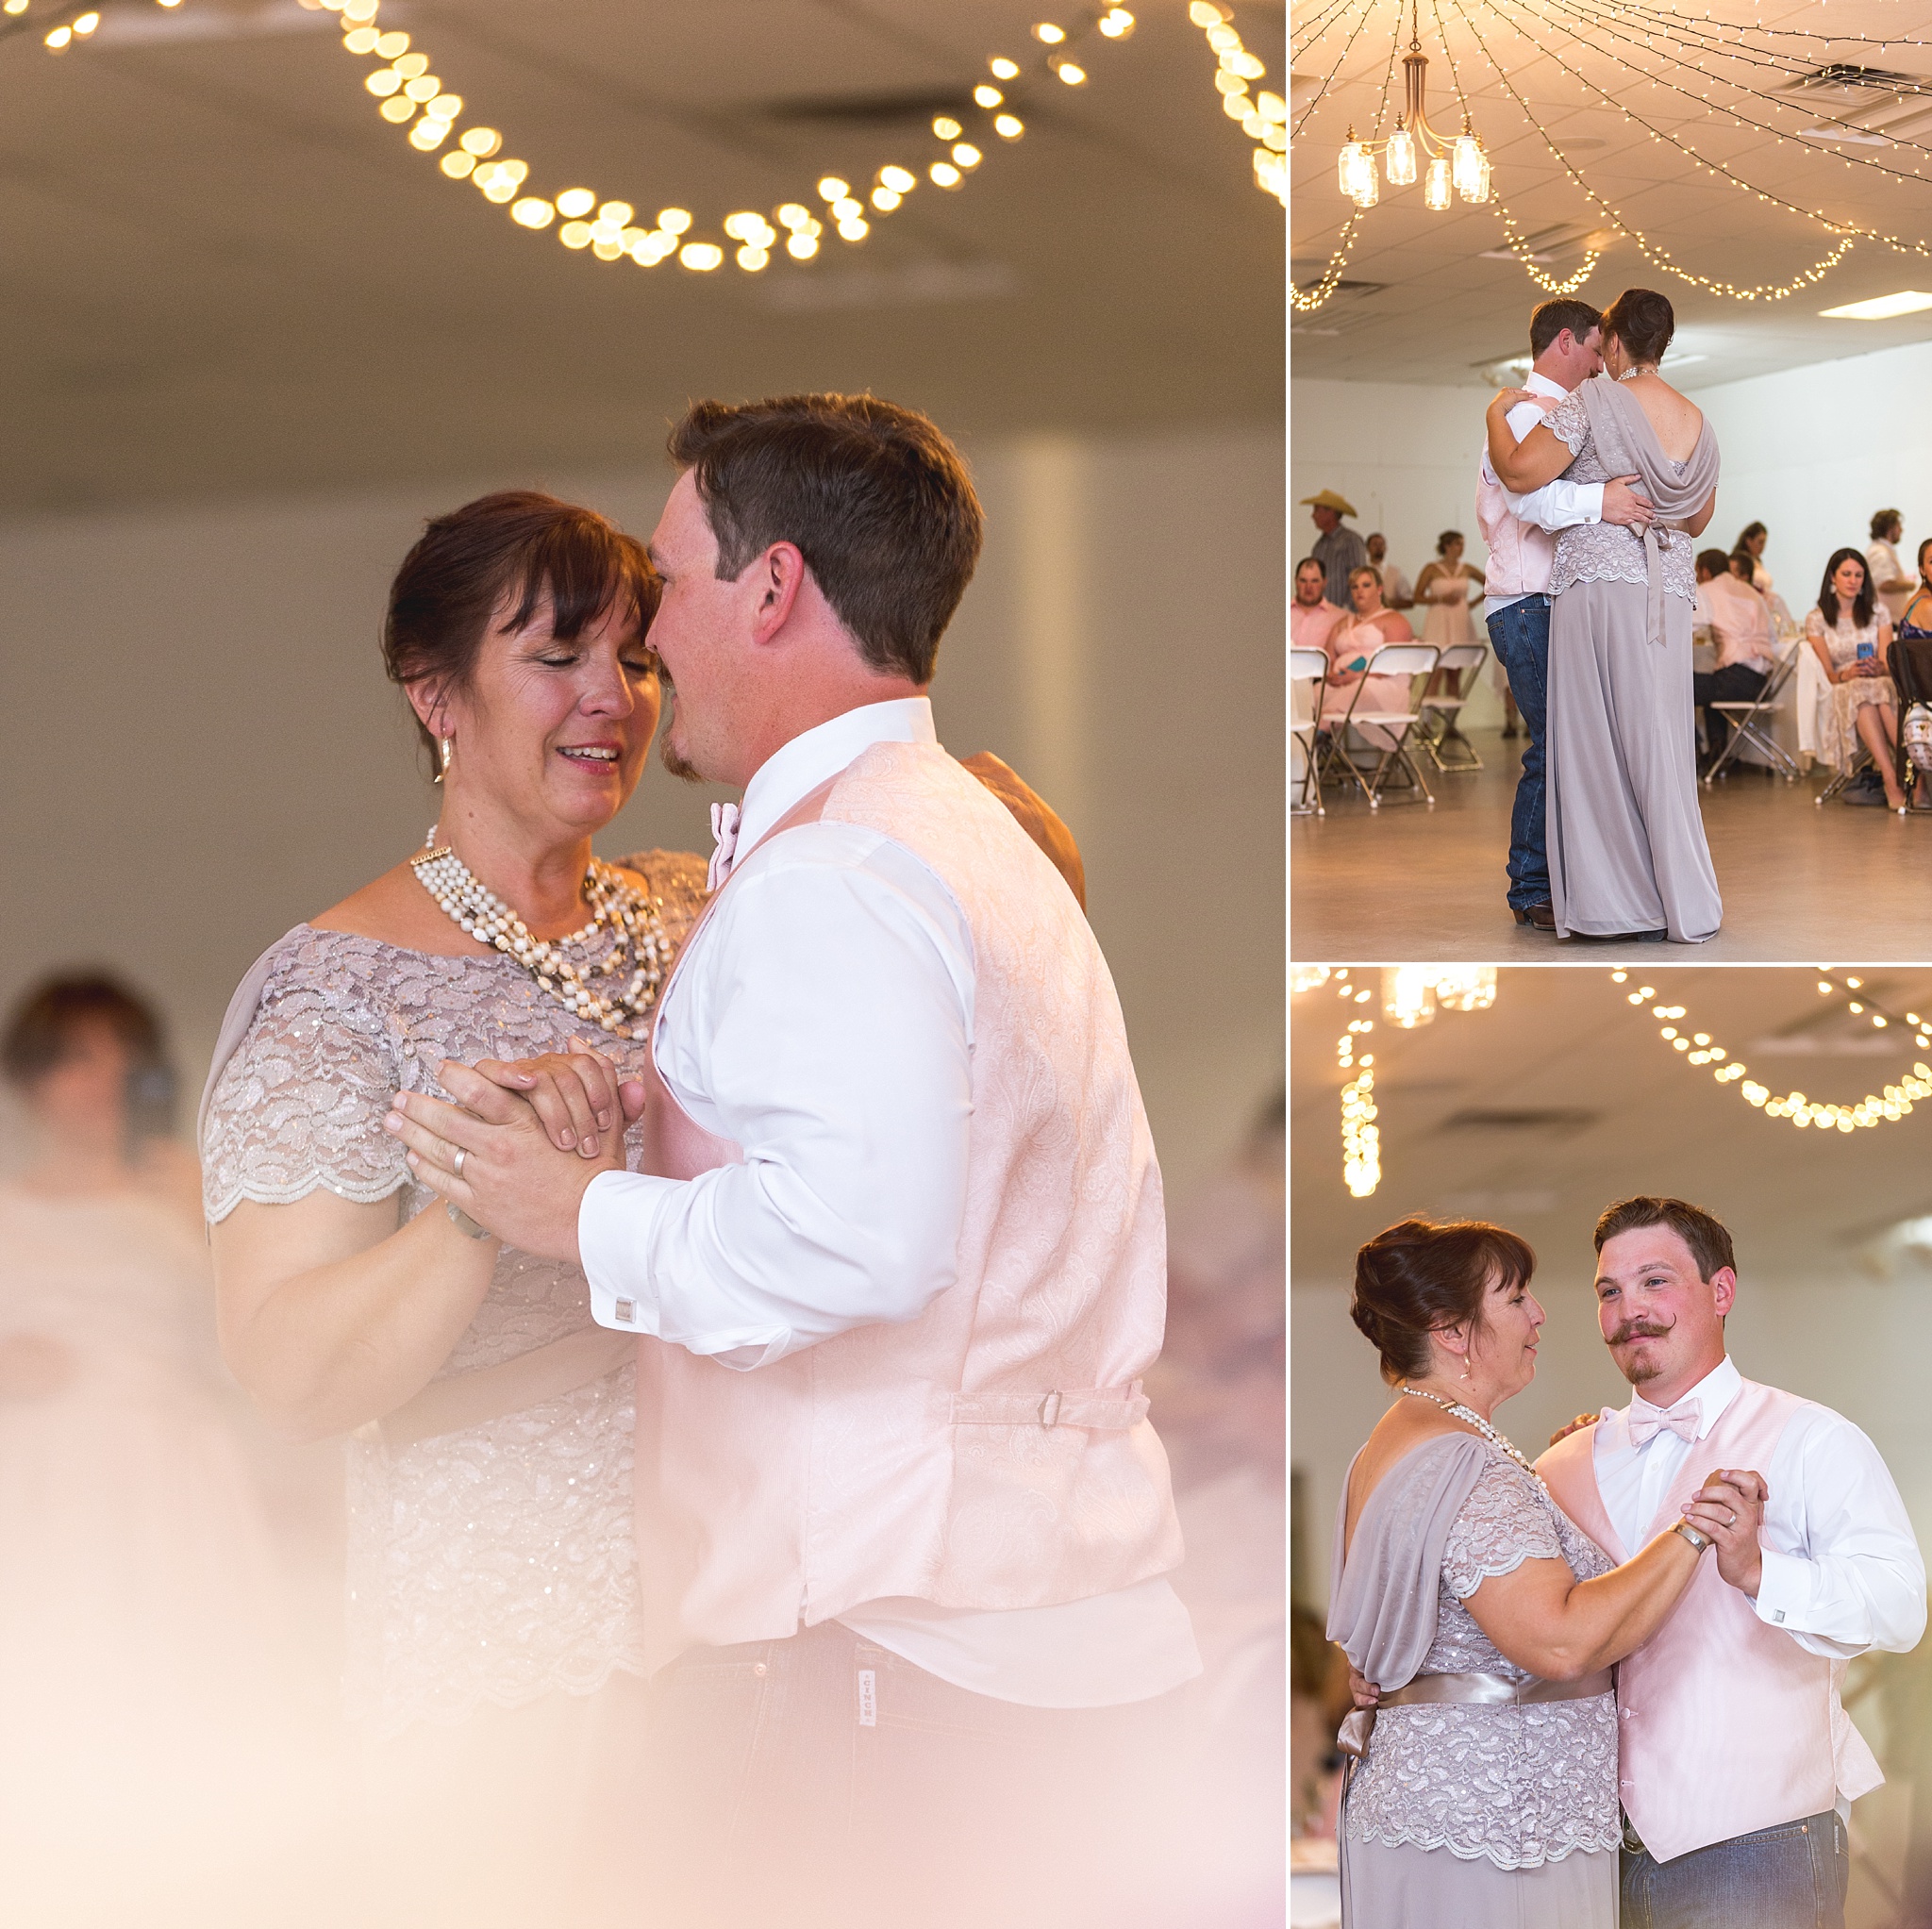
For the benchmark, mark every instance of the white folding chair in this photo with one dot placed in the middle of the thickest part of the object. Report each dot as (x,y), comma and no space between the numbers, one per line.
(1308,682)
(1752,723)
(1447,746)
(1415,661)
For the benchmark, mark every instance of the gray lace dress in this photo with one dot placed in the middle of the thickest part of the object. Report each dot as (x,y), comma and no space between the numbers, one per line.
(1466,1817)
(495,1565)
(1626,842)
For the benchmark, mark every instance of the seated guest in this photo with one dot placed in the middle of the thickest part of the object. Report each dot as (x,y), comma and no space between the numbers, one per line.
(1740,625)
(1750,542)
(1851,631)
(1351,644)
(1915,618)
(1312,615)
(1398,593)
(1889,575)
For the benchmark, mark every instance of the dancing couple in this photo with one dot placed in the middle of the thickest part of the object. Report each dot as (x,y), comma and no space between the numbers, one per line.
(1724,1546)
(737,1276)
(1594,628)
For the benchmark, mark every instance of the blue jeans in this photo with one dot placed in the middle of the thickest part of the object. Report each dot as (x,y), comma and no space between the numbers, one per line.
(1790,1877)
(1520,635)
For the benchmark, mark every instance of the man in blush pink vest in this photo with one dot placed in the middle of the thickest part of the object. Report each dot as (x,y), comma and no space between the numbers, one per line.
(897,1255)
(1737,1763)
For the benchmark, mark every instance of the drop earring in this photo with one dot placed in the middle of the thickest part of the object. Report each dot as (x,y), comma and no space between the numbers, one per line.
(1465,1366)
(446,753)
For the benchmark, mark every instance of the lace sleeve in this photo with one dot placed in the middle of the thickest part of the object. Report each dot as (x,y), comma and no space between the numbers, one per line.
(301,1103)
(678,879)
(1814,623)
(1569,424)
(1504,1522)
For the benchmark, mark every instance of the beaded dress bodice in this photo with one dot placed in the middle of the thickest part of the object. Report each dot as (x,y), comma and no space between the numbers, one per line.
(1520,1785)
(494,1564)
(1607,552)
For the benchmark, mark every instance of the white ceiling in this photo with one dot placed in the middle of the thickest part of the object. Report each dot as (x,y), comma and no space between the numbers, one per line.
(223,273)
(1804,1205)
(1433,310)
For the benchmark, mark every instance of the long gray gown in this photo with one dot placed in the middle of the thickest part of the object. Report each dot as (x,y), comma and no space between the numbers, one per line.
(1460,1815)
(1626,843)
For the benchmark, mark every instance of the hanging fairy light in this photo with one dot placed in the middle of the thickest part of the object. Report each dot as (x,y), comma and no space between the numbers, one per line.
(1886,1106)
(1263,116)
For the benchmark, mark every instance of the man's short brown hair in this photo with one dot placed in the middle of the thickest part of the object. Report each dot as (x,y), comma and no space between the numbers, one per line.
(877,501)
(1551,318)
(1706,1235)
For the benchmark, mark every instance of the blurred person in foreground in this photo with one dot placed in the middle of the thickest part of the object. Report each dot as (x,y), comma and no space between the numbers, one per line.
(1737,1765)
(1219,1393)
(1483,1618)
(1740,627)
(141,1612)
(1849,630)
(897,1255)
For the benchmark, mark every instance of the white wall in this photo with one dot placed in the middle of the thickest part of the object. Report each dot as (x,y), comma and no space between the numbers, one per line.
(198,748)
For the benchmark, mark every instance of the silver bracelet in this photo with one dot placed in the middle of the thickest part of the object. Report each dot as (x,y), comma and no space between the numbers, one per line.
(1697,1539)
(464,1223)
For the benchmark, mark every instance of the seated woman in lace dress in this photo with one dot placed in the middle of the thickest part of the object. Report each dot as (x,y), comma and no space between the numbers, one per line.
(1849,628)
(1484,1788)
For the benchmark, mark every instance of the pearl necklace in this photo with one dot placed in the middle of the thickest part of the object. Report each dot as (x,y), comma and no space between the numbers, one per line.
(1630,374)
(618,909)
(1482,1426)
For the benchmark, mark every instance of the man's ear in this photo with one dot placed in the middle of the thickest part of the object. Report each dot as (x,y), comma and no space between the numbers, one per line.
(781,573)
(1724,1289)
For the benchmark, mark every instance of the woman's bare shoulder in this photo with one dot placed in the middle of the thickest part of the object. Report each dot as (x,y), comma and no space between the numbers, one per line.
(395,909)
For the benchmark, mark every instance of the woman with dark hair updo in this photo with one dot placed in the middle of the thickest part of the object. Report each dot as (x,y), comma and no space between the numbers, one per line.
(1628,856)
(1480,1620)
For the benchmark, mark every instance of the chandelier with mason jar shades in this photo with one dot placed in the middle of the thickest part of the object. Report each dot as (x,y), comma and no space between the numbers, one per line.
(1672,77)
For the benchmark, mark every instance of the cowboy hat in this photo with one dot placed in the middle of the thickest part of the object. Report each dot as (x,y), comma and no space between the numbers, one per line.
(1329,500)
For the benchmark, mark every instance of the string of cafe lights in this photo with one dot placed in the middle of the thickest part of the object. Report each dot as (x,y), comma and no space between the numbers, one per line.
(1263,117)
(1607,22)
(1305,301)
(410,95)
(1886,1106)
(1412,996)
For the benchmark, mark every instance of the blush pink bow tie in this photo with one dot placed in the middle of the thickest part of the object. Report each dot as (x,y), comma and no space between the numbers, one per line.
(1647,1421)
(724,828)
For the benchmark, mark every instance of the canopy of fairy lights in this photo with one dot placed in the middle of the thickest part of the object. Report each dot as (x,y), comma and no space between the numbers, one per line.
(435,120)
(1684,80)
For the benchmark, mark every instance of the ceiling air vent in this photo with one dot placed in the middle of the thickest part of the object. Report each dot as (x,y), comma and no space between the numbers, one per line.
(1868,107)
(1558,1120)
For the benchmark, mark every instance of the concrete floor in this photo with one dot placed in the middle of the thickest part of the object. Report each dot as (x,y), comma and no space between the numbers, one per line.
(1801,885)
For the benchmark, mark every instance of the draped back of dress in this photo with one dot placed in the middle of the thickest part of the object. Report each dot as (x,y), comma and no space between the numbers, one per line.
(1628,445)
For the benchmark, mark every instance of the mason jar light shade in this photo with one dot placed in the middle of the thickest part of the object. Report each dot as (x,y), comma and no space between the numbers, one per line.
(1436,192)
(1467,165)
(1401,158)
(1345,166)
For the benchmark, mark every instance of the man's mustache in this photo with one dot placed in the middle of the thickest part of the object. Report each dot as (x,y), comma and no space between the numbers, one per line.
(1638,1329)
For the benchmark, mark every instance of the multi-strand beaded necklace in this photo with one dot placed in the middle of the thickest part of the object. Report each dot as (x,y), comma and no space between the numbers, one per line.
(627,917)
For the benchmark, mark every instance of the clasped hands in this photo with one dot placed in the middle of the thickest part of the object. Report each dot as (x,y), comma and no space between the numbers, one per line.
(1729,1507)
(522,1143)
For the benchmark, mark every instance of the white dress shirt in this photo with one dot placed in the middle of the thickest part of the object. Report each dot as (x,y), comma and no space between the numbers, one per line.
(823,1022)
(1842,1572)
(1557,505)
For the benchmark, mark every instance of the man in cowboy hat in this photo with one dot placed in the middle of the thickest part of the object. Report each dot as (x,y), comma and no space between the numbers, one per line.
(1339,550)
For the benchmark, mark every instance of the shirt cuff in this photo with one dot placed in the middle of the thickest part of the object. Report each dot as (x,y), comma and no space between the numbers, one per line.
(1784,1591)
(1590,499)
(616,1219)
